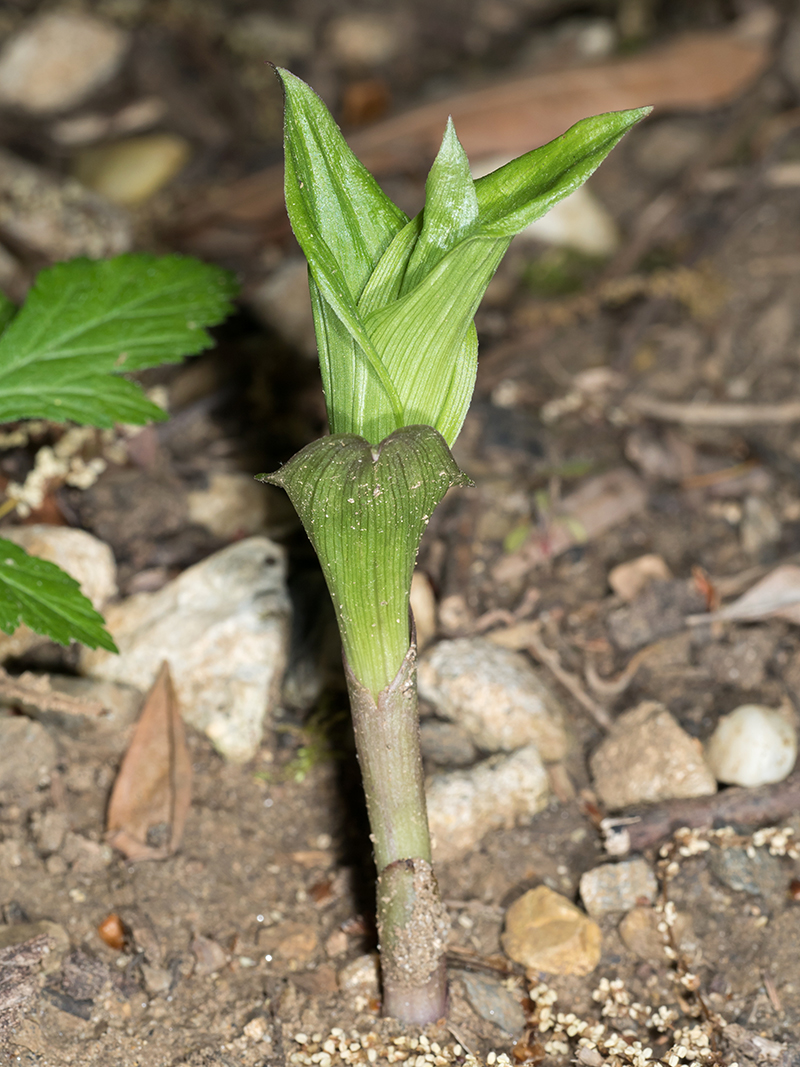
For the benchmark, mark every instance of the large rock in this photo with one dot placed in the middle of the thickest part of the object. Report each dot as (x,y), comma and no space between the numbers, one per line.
(57,60)
(647,758)
(88,560)
(463,806)
(222,627)
(494,694)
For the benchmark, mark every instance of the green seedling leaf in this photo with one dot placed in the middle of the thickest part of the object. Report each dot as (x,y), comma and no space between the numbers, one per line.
(38,593)
(86,322)
(394,301)
(365,510)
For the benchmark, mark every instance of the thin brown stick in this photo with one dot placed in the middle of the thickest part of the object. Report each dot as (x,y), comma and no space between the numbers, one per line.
(636,830)
(702,414)
(551,659)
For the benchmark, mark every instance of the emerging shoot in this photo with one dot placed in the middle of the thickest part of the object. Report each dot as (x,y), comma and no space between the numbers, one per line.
(394,301)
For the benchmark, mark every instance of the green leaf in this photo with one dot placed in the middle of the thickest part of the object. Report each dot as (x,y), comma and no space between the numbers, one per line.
(451,209)
(7,311)
(342,221)
(87,321)
(365,510)
(513,196)
(38,593)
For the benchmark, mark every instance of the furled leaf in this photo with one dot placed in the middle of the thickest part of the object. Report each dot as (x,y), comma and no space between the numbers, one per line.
(152,792)
(38,593)
(365,510)
(394,301)
(85,322)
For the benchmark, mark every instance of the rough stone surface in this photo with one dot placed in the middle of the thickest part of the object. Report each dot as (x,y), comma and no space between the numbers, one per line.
(80,554)
(493,1002)
(752,746)
(27,753)
(546,932)
(222,627)
(494,694)
(57,60)
(646,758)
(658,611)
(361,975)
(639,933)
(618,886)
(498,793)
(58,218)
(758,874)
(446,744)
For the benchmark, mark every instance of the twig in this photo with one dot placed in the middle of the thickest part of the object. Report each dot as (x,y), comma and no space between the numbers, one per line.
(552,661)
(641,829)
(33,691)
(702,414)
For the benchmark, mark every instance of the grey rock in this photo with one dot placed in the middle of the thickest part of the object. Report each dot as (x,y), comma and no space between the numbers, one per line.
(222,626)
(49,830)
(232,505)
(446,744)
(618,886)
(156,979)
(494,694)
(743,663)
(499,793)
(647,757)
(121,707)
(758,874)
(58,218)
(760,529)
(27,753)
(56,60)
(494,1003)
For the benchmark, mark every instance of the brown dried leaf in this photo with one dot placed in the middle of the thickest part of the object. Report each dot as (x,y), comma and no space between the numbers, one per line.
(694,72)
(777,596)
(153,788)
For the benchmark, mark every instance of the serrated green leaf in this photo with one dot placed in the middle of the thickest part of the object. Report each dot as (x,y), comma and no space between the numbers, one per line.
(365,510)
(38,593)
(85,322)
(8,310)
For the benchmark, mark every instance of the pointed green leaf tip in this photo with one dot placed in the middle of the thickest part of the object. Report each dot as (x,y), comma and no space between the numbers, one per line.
(394,300)
(365,510)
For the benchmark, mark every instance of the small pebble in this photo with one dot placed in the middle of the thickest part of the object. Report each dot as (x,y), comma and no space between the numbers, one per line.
(130,171)
(627,580)
(618,886)
(647,757)
(546,932)
(494,694)
(752,746)
(499,793)
(361,975)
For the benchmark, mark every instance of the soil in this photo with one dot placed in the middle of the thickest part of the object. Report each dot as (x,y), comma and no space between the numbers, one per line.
(232,951)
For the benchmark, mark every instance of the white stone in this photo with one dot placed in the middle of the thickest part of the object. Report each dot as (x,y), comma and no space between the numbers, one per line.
(232,505)
(222,627)
(84,557)
(618,886)
(752,746)
(497,794)
(56,60)
(494,694)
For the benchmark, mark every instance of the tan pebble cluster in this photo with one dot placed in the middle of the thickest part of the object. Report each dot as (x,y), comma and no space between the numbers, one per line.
(339,1048)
